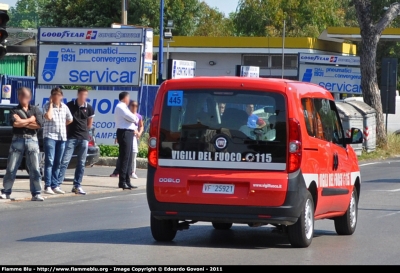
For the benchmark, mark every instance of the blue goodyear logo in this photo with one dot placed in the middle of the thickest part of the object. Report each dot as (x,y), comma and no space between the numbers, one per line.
(50,66)
(307,75)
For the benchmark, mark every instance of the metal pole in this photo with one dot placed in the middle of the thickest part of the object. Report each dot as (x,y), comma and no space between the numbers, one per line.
(124,13)
(167,50)
(161,44)
(387,96)
(283,48)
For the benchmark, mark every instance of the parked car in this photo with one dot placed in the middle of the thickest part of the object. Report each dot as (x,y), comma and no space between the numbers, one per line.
(6,136)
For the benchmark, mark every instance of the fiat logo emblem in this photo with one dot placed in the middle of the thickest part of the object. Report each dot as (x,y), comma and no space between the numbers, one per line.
(220,143)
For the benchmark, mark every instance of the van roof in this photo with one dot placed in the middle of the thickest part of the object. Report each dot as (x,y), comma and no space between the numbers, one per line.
(261,84)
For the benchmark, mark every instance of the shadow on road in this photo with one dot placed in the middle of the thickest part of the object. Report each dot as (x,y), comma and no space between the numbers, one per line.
(239,237)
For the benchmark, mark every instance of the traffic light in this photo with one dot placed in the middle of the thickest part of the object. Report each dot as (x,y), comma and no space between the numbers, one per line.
(3,32)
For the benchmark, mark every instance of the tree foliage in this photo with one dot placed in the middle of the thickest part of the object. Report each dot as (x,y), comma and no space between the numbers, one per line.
(303,17)
(80,13)
(213,23)
(25,13)
(184,13)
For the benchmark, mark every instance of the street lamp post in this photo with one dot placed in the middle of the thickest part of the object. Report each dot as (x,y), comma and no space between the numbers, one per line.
(168,35)
(161,44)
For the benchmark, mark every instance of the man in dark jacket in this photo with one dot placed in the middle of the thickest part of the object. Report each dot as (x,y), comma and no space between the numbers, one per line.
(26,119)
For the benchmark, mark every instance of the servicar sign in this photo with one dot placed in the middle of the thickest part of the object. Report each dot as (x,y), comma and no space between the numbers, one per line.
(337,74)
(89,65)
(335,79)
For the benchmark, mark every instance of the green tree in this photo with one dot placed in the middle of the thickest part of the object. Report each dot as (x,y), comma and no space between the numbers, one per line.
(102,13)
(213,23)
(184,13)
(25,13)
(303,17)
(81,13)
(373,21)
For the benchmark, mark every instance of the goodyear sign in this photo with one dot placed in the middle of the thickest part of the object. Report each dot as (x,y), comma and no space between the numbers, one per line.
(89,65)
(329,59)
(91,35)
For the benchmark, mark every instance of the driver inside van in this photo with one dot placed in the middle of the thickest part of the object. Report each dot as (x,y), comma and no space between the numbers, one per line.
(253,122)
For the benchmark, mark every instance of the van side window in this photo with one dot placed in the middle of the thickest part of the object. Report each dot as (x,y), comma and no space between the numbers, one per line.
(327,116)
(338,137)
(308,110)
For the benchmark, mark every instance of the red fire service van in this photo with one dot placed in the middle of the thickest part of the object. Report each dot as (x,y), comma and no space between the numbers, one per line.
(250,151)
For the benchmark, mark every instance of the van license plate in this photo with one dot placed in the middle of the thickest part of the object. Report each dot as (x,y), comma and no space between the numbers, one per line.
(219,188)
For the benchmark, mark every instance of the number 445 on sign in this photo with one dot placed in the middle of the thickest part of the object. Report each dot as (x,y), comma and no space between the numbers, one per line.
(175,98)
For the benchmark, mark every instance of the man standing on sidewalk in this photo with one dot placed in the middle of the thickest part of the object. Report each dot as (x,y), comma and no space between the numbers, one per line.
(26,119)
(78,139)
(57,117)
(127,124)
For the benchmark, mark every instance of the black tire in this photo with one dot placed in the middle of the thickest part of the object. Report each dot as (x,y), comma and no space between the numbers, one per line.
(299,235)
(221,226)
(162,230)
(346,224)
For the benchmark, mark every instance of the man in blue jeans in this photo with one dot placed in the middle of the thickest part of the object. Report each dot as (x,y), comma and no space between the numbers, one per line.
(26,120)
(57,116)
(78,139)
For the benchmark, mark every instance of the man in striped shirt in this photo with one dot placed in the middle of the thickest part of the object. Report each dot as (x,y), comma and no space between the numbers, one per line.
(56,117)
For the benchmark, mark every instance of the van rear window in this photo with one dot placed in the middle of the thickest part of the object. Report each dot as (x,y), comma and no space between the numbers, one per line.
(223,129)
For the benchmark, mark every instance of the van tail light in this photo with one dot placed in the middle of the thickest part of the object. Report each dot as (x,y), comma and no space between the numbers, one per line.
(91,141)
(153,141)
(295,149)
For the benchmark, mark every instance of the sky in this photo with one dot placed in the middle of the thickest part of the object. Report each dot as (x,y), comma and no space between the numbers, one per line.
(226,6)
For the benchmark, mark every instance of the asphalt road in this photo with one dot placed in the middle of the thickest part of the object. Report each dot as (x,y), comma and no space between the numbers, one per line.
(114,229)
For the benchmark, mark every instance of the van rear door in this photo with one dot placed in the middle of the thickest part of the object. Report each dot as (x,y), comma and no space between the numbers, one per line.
(232,138)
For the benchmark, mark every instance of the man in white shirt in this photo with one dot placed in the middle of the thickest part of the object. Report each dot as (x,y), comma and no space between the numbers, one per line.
(126,123)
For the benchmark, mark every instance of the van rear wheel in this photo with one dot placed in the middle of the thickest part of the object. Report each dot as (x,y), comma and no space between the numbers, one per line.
(222,226)
(302,232)
(162,230)
(346,224)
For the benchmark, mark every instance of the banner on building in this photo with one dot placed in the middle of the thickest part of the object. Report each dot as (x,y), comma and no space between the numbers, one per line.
(181,69)
(103,103)
(250,71)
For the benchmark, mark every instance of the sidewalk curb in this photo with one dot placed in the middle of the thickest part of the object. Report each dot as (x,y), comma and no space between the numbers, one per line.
(47,196)
(112,162)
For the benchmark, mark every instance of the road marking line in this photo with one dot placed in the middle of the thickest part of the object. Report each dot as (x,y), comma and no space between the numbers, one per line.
(396,190)
(381,162)
(110,197)
(142,193)
(390,214)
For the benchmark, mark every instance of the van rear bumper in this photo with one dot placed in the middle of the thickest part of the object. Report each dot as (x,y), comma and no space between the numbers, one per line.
(287,214)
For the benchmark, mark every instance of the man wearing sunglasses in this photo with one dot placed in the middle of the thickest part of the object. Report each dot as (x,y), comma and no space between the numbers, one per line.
(26,120)
(78,139)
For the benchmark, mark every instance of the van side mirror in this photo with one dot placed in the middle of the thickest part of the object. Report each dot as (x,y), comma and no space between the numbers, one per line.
(357,136)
